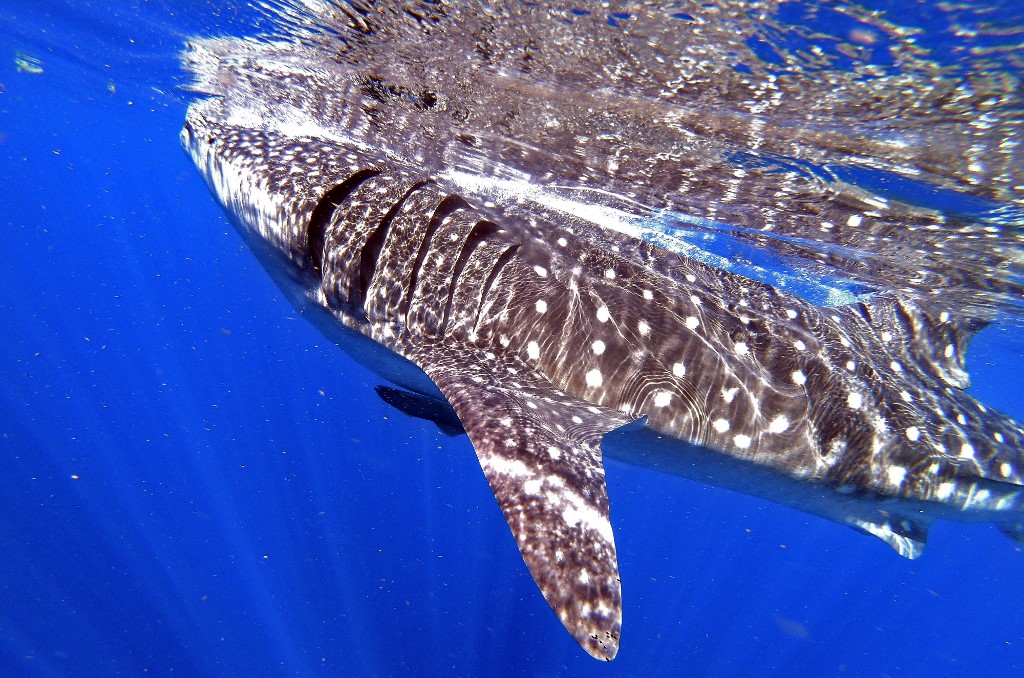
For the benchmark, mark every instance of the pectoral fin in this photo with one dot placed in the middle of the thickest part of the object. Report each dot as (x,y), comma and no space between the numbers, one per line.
(539,449)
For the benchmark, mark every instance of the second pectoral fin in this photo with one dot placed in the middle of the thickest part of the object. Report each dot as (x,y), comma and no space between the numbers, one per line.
(422,407)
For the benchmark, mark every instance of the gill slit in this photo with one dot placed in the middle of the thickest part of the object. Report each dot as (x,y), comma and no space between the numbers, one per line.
(503,259)
(320,219)
(443,210)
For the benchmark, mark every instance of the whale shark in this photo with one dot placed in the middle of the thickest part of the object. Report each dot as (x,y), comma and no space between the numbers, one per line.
(509,212)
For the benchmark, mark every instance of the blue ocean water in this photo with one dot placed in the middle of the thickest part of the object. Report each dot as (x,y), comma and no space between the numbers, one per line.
(193,481)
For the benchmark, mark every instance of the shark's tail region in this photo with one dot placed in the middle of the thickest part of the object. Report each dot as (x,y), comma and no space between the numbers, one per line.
(973,454)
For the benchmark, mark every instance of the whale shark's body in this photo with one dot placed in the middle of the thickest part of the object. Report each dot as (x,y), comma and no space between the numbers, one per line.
(477,229)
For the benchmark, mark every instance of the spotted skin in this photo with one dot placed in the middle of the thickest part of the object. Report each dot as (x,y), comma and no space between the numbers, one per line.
(555,337)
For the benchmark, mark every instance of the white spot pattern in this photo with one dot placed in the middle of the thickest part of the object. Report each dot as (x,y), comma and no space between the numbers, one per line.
(896,475)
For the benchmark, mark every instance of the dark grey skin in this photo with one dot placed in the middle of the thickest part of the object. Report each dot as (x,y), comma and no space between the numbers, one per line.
(401,229)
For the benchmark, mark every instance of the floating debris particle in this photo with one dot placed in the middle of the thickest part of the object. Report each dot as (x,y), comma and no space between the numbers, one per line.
(27,63)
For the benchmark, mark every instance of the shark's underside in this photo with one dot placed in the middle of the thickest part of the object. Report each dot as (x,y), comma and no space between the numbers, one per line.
(461,197)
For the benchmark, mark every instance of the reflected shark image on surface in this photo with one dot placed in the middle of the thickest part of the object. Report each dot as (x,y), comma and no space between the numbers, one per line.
(652,234)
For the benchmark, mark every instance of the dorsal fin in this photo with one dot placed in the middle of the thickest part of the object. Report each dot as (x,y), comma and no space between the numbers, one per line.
(941,339)
(540,451)
(936,338)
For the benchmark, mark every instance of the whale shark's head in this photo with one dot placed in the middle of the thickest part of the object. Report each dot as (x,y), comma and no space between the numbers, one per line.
(267,149)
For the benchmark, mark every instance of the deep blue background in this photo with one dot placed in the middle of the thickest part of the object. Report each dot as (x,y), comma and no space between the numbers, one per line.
(192,480)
